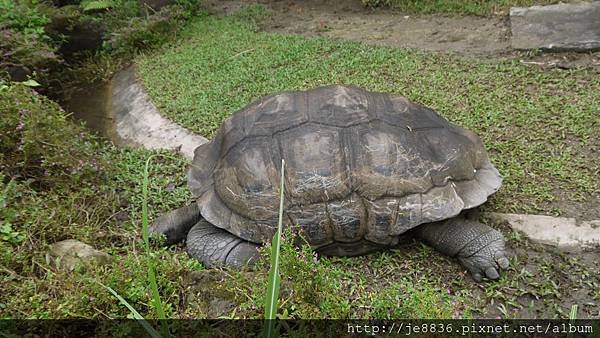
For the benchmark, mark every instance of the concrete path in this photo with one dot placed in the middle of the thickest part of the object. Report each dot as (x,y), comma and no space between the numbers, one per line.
(138,122)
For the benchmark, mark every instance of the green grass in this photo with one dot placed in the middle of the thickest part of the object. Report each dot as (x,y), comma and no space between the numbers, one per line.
(387,285)
(537,125)
(457,7)
(107,219)
(59,182)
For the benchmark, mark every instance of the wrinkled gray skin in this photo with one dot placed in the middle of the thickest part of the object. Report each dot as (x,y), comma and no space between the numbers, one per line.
(364,170)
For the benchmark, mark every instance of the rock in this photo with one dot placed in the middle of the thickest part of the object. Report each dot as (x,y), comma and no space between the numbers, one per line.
(565,233)
(18,73)
(70,253)
(560,27)
(204,296)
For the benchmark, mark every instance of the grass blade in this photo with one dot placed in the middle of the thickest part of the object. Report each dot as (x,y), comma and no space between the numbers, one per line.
(151,268)
(151,331)
(274,278)
(573,314)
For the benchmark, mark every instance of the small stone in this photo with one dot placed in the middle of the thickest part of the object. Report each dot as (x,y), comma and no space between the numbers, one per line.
(561,27)
(71,253)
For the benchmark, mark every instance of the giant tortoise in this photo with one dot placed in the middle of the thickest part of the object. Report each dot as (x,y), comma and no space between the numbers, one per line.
(364,169)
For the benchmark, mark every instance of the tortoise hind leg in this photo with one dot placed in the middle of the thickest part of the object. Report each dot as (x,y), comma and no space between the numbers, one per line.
(478,247)
(176,224)
(216,247)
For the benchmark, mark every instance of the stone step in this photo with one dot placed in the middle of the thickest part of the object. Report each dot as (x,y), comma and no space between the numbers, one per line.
(561,27)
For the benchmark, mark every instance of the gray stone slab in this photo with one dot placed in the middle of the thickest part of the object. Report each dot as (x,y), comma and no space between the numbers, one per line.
(561,27)
(562,232)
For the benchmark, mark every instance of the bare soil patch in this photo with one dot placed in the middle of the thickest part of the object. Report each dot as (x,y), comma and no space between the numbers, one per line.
(471,36)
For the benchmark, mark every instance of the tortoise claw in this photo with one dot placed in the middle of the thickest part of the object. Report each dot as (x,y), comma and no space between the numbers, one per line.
(491,273)
(488,260)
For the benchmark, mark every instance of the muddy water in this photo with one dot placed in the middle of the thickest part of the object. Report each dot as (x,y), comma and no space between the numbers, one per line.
(90,104)
(121,111)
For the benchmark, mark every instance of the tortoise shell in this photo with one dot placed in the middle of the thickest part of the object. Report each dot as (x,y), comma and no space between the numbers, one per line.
(362,168)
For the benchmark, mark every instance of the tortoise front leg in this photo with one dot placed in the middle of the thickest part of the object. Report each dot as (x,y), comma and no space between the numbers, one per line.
(478,247)
(216,247)
(176,224)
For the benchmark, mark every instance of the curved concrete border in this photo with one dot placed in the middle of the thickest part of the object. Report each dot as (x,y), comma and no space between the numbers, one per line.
(138,122)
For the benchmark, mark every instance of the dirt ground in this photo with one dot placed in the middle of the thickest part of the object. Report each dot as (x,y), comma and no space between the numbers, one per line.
(470,36)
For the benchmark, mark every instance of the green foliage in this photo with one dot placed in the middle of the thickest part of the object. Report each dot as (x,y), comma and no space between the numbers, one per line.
(423,298)
(24,45)
(115,12)
(307,287)
(131,31)
(573,312)
(157,302)
(376,3)
(29,51)
(190,6)
(23,16)
(30,83)
(44,203)
(9,194)
(252,16)
(272,296)
(95,5)
(136,315)
(40,145)
(320,287)
(142,33)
